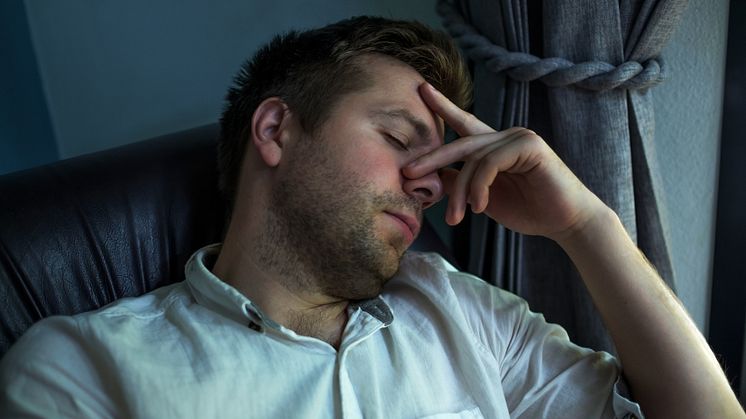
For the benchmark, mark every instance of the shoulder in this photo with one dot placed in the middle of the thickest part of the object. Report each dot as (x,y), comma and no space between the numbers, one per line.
(65,357)
(500,321)
(67,338)
(56,359)
(152,304)
(429,273)
(427,283)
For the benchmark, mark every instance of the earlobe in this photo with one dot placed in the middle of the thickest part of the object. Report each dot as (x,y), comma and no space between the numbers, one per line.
(267,130)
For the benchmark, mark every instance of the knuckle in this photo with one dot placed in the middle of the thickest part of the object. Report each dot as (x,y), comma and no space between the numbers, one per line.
(471,159)
(534,136)
(530,134)
(466,119)
(523,132)
(492,159)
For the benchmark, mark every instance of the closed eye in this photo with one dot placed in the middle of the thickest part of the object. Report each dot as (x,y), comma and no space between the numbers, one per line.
(397,142)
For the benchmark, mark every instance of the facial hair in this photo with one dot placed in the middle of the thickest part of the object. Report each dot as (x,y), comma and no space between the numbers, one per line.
(321,228)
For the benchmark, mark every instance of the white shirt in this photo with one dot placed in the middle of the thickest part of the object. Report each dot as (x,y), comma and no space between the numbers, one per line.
(436,343)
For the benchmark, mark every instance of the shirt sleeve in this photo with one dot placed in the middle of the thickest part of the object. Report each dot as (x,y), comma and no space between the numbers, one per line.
(543,373)
(51,372)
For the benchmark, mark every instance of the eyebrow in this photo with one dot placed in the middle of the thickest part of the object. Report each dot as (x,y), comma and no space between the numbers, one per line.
(423,131)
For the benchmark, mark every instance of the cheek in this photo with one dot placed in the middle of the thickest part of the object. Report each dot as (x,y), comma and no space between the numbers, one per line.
(376,164)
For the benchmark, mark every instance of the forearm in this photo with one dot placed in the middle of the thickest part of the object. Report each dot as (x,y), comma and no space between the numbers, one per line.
(670,368)
(516,179)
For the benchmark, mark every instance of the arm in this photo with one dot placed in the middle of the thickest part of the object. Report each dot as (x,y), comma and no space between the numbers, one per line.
(54,370)
(517,180)
(671,370)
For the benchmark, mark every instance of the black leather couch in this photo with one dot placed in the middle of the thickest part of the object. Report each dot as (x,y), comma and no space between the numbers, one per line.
(80,233)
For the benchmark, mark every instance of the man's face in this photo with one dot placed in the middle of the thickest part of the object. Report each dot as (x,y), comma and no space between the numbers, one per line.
(348,211)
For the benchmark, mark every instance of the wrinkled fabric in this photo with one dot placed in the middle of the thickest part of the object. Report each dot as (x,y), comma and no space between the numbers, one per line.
(435,342)
(606,138)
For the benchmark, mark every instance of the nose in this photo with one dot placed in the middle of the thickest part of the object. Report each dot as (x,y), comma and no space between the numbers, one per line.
(427,189)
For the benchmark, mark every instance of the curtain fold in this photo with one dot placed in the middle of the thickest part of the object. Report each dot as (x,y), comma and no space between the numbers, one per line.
(579,73)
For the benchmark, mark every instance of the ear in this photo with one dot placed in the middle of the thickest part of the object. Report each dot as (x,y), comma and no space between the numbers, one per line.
(268,129)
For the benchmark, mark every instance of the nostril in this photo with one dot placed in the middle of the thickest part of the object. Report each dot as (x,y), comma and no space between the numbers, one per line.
(424,192)
(427,189)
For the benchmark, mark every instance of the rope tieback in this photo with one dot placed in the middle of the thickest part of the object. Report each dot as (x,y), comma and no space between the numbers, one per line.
(555,71)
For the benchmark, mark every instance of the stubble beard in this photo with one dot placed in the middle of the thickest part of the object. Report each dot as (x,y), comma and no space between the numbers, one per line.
(321,229)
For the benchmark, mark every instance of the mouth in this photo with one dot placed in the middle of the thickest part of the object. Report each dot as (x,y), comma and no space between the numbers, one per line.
(410,223)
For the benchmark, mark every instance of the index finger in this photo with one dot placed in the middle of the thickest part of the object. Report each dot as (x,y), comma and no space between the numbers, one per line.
(461,121)
(460,150)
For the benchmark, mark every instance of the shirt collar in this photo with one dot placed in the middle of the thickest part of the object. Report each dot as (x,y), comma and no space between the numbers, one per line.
(216,295)
(377,308)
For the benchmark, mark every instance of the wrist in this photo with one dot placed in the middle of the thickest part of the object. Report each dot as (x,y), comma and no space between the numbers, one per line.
(598,220)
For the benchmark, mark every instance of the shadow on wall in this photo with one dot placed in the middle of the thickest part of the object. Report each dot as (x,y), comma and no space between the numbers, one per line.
(26,135)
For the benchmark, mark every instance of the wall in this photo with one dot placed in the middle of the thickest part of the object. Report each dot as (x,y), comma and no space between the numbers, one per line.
(688,109)
(26,137)
(119,71)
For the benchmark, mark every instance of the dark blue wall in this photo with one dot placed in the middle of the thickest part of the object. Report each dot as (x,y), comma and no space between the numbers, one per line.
(26,134)
(86,76)
(115,72)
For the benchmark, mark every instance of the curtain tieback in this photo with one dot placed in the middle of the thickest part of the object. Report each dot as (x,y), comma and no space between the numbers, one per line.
(555,71)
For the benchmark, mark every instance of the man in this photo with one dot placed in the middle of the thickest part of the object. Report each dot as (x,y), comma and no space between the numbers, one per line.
(331,149)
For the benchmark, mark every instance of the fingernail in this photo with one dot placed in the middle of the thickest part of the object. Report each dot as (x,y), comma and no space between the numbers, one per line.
(449,216)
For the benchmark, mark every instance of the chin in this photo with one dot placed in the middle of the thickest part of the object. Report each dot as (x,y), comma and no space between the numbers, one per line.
(377,281)
(391,266)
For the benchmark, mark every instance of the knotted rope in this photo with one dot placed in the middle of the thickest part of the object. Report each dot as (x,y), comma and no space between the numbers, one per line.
(555,71)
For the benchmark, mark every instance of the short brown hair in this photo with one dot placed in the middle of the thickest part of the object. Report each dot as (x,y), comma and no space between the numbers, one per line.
(311,70)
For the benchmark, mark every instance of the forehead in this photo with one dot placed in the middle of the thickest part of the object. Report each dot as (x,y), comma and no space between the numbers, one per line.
(393,93)
(390,78)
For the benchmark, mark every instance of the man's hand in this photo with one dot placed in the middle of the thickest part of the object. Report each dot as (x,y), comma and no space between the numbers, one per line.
(512,176)
(516,179)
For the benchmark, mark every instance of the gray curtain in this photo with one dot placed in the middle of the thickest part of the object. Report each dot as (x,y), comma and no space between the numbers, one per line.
(580,73)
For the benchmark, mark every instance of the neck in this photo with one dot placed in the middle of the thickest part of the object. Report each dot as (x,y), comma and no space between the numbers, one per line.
(278,283)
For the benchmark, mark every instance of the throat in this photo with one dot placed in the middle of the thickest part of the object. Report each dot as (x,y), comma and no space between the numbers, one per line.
(326,324)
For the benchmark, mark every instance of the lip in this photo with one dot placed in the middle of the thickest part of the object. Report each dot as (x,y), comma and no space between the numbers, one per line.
(410,221)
